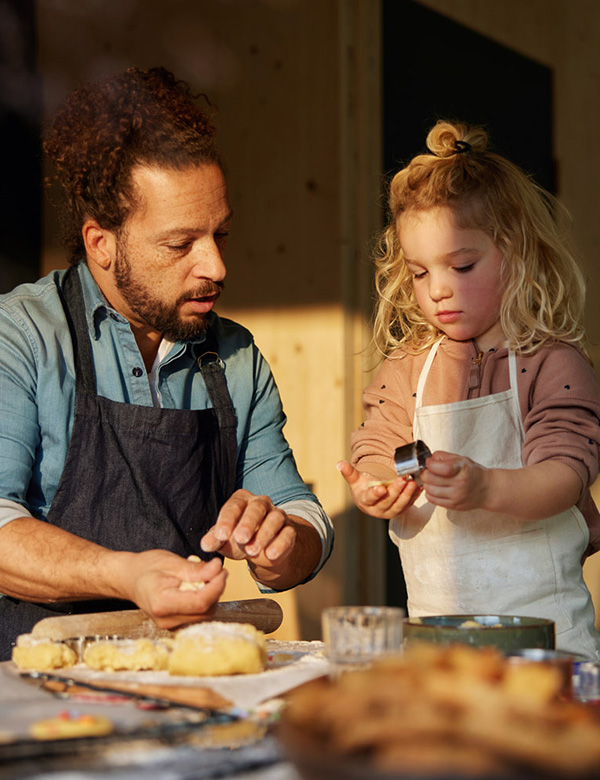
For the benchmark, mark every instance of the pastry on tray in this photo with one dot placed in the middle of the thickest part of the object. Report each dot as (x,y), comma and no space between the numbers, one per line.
(202,649)
(217,648)
(40,654)
(127,654)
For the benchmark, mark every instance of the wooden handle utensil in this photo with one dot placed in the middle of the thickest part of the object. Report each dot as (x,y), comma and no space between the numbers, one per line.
(264,614)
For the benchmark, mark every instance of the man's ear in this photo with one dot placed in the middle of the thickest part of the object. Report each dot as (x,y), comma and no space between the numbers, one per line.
(100,244)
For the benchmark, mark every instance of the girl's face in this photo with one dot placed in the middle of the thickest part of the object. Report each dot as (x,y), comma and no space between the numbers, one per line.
(456,275)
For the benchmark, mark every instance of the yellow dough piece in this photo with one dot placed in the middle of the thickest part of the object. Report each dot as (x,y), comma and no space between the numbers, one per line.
(42,654)
(186,585)
(217,648)
(67,726)
(127,654)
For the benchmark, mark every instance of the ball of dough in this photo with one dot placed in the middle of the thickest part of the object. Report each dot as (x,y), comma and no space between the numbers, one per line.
(127,654)
(217,648)
(42,654)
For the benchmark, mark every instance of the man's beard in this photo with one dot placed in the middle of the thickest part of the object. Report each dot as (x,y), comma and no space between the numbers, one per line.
(158,315)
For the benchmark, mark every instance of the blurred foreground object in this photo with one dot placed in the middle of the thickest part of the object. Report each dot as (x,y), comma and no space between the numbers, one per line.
(441,710)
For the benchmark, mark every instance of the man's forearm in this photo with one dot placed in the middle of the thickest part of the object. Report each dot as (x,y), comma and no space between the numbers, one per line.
(40,562)
(298,565)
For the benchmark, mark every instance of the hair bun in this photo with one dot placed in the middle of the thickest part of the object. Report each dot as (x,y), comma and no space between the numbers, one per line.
(446,139)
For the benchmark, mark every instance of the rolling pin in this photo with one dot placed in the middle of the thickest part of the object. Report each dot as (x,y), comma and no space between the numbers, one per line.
(264,614)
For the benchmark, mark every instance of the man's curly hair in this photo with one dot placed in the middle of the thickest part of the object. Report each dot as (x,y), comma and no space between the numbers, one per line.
(106,128)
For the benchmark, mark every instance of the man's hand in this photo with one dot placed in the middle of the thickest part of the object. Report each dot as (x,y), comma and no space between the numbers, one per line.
(387,500)
(251,527)
(154,579)
(43,563)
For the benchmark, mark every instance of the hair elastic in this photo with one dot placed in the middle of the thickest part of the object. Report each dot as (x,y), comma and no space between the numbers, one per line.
(462,147)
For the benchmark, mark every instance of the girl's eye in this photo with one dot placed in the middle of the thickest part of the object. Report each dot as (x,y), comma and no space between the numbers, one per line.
(463,269)
(420,275)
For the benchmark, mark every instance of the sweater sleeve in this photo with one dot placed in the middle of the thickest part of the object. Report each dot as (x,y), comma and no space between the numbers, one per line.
(388,405)
(563,418)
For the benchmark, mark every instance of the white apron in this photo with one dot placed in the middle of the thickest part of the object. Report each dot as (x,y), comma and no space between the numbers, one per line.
(479,562)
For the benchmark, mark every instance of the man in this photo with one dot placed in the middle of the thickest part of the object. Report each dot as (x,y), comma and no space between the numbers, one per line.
(136,426)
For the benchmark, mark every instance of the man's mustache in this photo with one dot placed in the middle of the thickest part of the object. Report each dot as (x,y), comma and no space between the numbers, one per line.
(208,290)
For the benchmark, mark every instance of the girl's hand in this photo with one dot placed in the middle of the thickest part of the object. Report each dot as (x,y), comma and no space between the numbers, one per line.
(385,500)
(455,482)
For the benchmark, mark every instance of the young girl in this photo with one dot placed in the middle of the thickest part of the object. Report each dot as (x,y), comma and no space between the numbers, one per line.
(480,319)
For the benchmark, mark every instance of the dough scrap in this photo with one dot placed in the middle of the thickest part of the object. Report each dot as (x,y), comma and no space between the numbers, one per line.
(186,584)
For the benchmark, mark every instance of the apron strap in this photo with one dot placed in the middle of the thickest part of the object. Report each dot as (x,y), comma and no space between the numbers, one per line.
(212,369)
(514,386)
(425,372)
(421,386)
(71,296)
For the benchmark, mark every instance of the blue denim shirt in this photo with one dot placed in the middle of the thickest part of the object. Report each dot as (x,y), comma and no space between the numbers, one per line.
(37,391)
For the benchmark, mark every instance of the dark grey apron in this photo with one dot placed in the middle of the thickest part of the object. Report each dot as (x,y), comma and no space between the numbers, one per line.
(135,477)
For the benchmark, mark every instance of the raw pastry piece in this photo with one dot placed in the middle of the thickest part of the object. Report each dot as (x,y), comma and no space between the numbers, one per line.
(196,585)
(67,725)
(41,654)
(216,648)
(378,482)
(130,654)
(185,585)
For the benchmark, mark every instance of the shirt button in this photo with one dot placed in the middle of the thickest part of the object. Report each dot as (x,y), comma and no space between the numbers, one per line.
(137,371)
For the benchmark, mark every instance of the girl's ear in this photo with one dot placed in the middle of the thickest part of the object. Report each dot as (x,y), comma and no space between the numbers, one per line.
(100,244)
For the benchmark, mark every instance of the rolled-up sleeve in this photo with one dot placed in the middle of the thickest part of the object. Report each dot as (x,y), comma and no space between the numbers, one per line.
(19,428)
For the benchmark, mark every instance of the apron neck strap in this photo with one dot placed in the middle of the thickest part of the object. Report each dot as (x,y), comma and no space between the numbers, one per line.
(71,296)
(212,369)
(425,372)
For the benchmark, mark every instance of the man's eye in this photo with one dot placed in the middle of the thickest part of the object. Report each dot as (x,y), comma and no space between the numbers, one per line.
(180,247)
(463,269)
(222,235)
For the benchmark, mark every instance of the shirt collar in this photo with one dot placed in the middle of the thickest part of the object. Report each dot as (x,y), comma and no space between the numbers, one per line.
(97,307)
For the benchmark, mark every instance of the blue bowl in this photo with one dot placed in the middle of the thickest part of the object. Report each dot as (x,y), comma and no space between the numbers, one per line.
(506,632)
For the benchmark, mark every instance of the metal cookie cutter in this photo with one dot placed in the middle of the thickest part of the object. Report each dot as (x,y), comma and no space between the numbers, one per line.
(409,459)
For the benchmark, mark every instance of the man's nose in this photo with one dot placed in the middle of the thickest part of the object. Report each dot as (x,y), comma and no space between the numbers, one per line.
(209,262)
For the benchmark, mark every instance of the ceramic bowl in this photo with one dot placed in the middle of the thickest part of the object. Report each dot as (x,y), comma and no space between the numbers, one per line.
(506,632)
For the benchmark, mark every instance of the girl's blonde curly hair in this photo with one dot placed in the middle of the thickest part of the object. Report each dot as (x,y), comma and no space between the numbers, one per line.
(544,291)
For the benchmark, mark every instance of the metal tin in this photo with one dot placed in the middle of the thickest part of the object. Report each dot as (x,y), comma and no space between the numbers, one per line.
(410,459)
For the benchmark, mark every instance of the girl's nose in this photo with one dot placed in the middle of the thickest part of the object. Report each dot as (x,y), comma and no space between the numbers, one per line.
(439,288)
